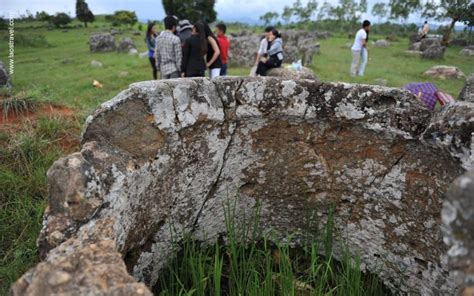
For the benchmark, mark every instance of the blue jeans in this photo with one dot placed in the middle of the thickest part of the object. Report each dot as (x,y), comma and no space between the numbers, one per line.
(224,70)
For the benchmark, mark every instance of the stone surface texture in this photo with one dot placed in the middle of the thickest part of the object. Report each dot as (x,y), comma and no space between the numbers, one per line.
(126,44)
(101,42)
(159,161)
(286,72)
(4,77)
(444,72)
(458,230)
(467,92)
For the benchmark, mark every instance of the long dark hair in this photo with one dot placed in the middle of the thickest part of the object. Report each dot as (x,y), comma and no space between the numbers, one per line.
(199,27)
(148,29)
(207,30)
(275,33)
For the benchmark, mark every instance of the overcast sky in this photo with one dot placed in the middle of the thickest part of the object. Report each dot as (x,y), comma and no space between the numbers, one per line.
(228,10)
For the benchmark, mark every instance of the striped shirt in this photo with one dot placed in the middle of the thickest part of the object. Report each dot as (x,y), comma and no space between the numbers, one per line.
(168,53)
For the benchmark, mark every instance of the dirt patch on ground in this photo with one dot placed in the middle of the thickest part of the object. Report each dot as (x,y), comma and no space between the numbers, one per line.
(41,110)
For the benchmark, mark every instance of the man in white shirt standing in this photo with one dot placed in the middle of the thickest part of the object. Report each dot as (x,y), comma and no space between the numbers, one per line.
(359,50)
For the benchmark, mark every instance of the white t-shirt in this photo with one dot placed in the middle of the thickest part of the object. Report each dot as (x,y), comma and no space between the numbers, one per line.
(359,40)
(263,47)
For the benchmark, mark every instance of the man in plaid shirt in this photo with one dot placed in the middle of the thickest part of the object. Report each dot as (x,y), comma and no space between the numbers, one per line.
(168,51)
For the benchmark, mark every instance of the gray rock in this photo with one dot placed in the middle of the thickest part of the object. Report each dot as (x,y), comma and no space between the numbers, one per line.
(458,230)
(290,73)
(433,52)
(443,72)
(101,42)
(467,93)
(425,43)
(451,129)
(143,55)
(415,46)
(167,155)
(125,45)
(95,63)
(4,77)
(133,51)
(467,52)
(381,43)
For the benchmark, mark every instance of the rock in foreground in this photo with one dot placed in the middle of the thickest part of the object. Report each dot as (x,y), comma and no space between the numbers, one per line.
(159,161)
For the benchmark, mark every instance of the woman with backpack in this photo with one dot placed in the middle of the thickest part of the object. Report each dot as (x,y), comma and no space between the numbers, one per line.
(274,56)
(151,34)
(194,52)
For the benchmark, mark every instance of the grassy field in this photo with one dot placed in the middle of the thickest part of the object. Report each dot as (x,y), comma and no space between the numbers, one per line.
(53,67)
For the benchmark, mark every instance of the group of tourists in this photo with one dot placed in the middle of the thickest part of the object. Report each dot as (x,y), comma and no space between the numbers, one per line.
(187,50)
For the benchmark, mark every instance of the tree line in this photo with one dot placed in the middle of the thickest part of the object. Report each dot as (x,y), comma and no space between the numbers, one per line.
(350,11)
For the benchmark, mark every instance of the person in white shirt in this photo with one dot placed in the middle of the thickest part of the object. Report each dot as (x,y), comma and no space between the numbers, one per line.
(425,30)
(360,54)
(263,48)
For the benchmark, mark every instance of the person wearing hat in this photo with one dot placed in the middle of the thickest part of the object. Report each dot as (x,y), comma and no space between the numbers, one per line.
(185,30)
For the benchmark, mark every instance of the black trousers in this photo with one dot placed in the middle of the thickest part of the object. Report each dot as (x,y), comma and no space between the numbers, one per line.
(153,66)
(195,74)
(262,67)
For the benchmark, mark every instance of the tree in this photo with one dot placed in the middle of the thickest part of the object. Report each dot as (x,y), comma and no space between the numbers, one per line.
(269,17)
(304,13)
(192,10)
(83,13)
(324,11)
(454,10)
(287,14)
(60,19)
(380,10)
(401,9)
(42,16)
(123,17)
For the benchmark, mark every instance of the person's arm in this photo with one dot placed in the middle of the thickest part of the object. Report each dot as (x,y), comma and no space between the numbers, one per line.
(216,49)
(259,52)
(178,52)
(157,56)
(186,52)
(149,44)
(275,47)
(364,40)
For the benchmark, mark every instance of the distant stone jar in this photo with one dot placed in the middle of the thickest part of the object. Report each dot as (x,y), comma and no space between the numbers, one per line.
(102,42)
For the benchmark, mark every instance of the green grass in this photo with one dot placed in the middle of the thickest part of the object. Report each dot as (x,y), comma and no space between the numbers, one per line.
(248,264)
(388,63)
(25,155)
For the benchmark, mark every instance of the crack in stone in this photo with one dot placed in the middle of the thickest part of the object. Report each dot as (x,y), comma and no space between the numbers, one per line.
(178,131)
(224,159)
(389,169)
